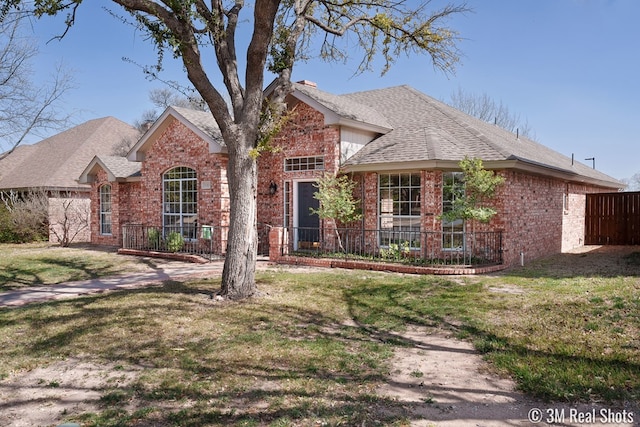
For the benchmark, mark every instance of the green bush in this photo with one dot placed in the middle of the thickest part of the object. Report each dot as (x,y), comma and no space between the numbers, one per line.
(154,238)
(175,242)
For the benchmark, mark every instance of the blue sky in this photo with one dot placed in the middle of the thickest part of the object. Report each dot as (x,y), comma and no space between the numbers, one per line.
(569,67)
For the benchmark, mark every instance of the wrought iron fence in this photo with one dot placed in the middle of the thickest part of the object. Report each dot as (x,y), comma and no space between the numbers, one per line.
(429,248)
(207,241)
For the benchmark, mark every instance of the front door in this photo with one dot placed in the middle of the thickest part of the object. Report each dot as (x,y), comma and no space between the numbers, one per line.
(308,231)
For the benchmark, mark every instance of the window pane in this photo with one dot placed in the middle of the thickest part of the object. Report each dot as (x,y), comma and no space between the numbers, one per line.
(105,209)
(453,188)
(180,199)
(399,209)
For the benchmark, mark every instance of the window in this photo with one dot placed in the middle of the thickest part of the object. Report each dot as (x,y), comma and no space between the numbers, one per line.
(399,209)
(180,201)
(304,163)
(105,209)
(287,204)
(452,188)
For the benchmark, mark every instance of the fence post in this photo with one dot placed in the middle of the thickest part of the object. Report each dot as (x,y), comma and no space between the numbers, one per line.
(278,243)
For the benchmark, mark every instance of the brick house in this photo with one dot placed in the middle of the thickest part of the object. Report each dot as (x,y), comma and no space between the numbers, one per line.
(53,165)
(401,147)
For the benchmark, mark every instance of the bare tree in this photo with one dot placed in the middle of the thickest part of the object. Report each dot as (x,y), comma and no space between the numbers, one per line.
(69,217)
(280,34)
(38,211)
(164,97)
(633,183)
(24,108)
(487,109)
(28,213)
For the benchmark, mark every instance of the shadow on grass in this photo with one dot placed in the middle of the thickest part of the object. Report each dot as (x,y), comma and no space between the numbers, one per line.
(52,270)
(594,262)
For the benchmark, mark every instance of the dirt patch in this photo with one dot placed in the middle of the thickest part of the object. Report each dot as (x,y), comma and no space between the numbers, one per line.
(45,396)
(442,381)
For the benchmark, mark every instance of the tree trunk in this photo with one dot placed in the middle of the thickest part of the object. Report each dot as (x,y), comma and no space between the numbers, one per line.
(238,275)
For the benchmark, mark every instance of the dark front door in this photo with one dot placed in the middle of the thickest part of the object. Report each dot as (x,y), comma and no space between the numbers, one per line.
(308,234)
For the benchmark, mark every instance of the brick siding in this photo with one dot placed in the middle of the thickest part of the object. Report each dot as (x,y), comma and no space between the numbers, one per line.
(531,213)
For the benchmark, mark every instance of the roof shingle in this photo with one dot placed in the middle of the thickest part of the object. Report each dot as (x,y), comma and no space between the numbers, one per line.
(57,162)
(425,129)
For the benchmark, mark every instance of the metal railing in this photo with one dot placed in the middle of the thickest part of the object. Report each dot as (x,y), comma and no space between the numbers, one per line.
(207,241)
(428,248)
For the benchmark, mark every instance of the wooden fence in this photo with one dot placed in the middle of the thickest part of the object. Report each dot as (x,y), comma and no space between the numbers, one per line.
(613,219)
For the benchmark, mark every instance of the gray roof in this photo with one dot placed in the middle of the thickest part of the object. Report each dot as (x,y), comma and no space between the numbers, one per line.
(203,120)
(58,161)
(117,168)
(344,107)
(120,167)
(434,133)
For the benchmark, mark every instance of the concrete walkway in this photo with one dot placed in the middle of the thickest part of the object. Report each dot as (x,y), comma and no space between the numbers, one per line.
(156,275)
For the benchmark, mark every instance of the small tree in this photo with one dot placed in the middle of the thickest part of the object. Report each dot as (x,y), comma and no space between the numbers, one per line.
(68,216)
(480,186)
(335,194)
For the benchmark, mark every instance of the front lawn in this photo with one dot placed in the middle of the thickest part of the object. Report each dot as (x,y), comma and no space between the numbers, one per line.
(312,349)
(37,264)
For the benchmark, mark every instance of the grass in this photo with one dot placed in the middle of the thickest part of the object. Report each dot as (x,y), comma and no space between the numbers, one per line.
(37,264)
(314,347)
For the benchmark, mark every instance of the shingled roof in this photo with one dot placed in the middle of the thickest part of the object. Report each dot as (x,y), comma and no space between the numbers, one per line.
(426,133)
(342,107)
(117,168)
(56,163)
(201,123)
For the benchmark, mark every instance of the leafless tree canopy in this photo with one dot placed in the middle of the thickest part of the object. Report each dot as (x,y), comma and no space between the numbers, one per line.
(28,213)
(633,183)
(24,108)
(487,109)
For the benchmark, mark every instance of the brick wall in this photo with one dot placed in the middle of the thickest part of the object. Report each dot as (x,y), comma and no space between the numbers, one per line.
(125,208)
(140,202)
(179,146)
(573,220)
(304,136)
(530,212)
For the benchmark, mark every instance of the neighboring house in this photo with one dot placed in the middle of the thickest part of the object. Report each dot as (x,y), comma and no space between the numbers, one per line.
(401,147)
(54,164)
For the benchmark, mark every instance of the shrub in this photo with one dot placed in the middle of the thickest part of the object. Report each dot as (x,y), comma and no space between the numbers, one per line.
(154,238)
(175,242)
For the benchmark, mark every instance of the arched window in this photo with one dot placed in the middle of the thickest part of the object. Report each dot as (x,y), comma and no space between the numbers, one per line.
(180,201)
(105,209)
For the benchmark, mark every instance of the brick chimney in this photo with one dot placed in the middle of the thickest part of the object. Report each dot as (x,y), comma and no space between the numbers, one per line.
(308,83)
